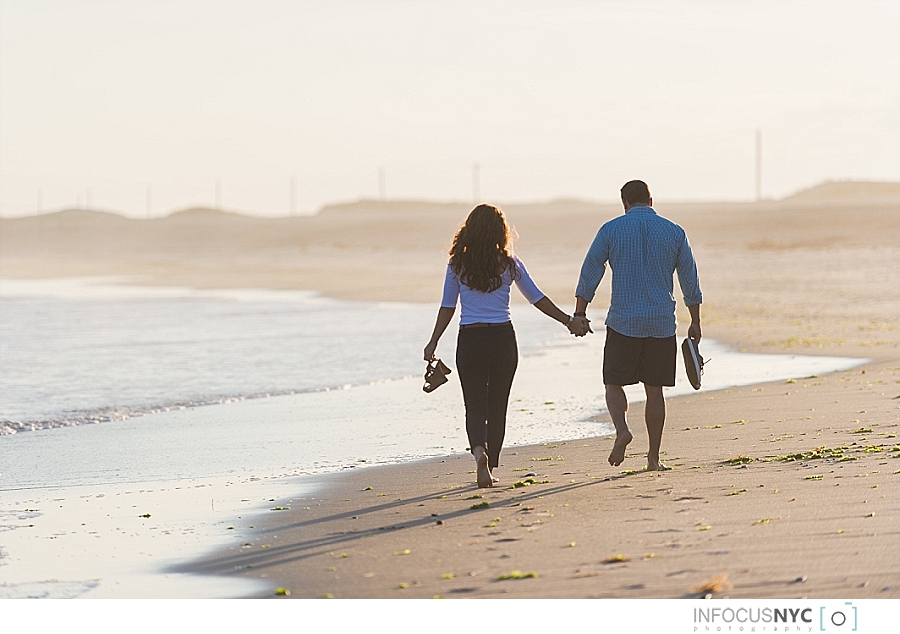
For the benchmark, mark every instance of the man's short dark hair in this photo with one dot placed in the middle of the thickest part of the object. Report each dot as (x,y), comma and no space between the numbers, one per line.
(635,193)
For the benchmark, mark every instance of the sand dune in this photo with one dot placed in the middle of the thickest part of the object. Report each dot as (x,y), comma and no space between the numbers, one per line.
(818,270)
(848,192)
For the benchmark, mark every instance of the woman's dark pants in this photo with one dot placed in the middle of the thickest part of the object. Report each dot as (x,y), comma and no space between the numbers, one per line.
(486,359)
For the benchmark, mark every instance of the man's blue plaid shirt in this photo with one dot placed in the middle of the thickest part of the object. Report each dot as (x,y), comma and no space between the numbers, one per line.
(643,250)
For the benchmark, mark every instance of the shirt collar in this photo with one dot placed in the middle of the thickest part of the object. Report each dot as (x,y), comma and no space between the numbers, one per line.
(641,209)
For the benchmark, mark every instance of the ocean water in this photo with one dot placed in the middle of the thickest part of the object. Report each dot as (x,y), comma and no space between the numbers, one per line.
(82,351)
(142,427)
(79,351)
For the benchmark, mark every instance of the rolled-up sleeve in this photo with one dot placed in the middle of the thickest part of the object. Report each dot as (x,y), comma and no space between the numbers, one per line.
(688,278)
(451,289)
(594,267)
(525,284)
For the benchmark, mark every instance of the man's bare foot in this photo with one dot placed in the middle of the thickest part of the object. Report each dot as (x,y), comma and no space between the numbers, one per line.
(494,478)
(657,466)
(482,472)
(617,455)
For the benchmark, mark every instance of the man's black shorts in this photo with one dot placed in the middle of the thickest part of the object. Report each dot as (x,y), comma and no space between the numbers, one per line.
(629,360)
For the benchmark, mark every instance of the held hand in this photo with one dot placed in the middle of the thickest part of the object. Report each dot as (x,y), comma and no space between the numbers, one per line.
(694,331)
(586,326)
(580,326)
(575,327)
(429,351)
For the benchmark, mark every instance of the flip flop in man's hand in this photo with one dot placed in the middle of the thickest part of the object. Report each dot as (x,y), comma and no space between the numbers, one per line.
(693,362)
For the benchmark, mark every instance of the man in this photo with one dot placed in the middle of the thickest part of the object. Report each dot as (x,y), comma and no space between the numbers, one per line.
(643,250)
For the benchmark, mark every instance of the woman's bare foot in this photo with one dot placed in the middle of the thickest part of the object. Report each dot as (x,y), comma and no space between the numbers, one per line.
(482,472)
(617,455)
(494,478)
(657,466)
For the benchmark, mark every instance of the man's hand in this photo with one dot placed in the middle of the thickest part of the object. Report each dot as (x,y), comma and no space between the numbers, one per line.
(694,331)
(580,326)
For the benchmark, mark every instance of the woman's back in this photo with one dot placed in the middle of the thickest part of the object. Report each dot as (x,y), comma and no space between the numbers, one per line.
(479,275)
(488,307)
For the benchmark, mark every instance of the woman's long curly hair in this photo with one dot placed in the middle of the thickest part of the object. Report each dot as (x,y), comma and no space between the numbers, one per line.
(481,250)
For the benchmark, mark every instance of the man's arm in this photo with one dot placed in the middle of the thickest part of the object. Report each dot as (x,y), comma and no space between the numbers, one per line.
(593,267)
(592,270)
(694,329)
(690,287)
(581,324)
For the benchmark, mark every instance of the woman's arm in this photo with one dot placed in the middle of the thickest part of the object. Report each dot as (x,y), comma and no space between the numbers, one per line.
(546,306)
(444,316)
(543,303)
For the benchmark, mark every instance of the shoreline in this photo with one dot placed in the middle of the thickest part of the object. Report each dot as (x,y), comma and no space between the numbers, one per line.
(571,370)
(772,526)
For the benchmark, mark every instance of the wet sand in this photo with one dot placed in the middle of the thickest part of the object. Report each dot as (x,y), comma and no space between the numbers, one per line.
(784,489)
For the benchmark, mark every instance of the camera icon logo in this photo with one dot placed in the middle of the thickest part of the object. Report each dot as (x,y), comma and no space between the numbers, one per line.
(841,618)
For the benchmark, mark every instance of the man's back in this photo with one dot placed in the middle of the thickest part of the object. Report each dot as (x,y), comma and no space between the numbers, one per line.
(644,250)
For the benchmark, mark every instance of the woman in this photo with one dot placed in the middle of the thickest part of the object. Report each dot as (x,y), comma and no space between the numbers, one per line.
(481,271)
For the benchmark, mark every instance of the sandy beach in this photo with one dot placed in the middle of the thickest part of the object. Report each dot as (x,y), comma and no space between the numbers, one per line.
(784,489)
(224,236)
(778,490)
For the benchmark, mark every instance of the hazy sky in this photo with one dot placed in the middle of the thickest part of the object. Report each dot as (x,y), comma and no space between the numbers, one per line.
(551,99)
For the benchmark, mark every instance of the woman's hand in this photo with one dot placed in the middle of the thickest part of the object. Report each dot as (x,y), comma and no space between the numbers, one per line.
(580,326)
(445,314)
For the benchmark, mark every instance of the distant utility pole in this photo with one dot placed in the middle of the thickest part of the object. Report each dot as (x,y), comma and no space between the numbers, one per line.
(87,199)
(758,164)
(293,194)
(149,200)
(77,200)
(382,183)
(476,183)
(218,194)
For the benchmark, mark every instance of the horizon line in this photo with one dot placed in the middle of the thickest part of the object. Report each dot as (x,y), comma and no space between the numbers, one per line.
(427,201)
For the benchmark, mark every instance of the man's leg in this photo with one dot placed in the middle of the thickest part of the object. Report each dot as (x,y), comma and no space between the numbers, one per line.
(617,404)
(655,416)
